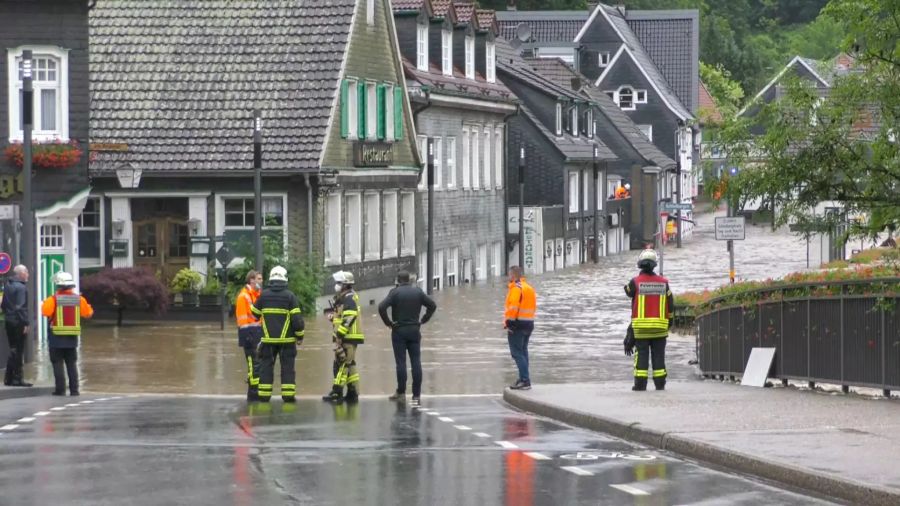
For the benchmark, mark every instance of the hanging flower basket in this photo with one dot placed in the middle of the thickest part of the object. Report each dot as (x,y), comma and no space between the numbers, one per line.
(46,155)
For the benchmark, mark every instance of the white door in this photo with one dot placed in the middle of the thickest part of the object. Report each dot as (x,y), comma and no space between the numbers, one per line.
(481,263)
(558,254)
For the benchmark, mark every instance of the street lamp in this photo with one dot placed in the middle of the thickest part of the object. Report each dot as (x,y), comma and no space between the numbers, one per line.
(596,249)
(655,173)
(522,208)
(129,177)
(257,188)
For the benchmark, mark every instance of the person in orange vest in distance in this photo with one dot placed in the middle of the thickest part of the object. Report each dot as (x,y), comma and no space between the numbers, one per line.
(518,320)
(623,192)
(652,304)
(64,310)
(249,330)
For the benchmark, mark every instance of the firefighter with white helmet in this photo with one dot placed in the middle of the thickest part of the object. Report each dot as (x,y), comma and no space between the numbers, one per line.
(347,336)
(282,324)
(65,309)
(652,304)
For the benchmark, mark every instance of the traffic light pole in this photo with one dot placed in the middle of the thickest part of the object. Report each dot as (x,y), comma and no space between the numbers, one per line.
(257,190)
(29,238)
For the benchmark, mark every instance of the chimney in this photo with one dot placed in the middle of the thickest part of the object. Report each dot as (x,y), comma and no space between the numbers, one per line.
(510,5)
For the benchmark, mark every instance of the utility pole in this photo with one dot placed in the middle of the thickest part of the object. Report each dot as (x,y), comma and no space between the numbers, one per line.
(678,185)
(582,220)
(730,244)
(596,251)
(29,241)
(257,190)
(429,266)
(522,208)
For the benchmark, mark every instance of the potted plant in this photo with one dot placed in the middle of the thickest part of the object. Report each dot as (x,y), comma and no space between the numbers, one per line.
(187,283)
(209,294)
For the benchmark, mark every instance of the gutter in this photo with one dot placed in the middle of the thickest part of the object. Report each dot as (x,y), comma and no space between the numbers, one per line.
(506,188)
(415,113)
(309,215)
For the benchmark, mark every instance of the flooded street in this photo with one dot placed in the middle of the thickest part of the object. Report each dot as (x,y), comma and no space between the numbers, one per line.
(582,315)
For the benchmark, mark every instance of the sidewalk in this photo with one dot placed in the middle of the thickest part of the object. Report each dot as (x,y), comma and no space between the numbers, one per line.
(834,445)
(7,393)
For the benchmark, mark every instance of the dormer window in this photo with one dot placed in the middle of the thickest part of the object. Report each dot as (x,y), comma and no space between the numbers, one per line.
(491,64)
(626,98)
(447,52)
(559,119)
(603,59)
(470,57)
(574,124)
(422,48)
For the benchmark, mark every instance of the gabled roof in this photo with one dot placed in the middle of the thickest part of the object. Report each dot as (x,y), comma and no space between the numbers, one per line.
(445,8)
(465,12)
(575,149)
(177,80)
(457,85)
(796,62)
(409,5)
(546,26)
(562,74)
(487,20)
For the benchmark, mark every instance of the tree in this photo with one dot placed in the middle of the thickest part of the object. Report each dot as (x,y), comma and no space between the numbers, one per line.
(727,92)
(134,288)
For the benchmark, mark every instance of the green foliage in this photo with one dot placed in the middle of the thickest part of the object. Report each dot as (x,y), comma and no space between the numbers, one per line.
(725,91)
(211,287)
(186,281)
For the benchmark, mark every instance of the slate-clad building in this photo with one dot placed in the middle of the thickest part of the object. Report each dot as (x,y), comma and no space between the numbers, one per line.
(56,32)
(173,87)
(449,56)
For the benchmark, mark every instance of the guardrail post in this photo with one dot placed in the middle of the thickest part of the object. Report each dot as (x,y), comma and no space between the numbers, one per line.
(844,387)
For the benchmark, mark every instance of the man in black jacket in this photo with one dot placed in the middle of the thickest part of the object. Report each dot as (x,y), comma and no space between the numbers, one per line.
(406,302)
(15,310)
(283,328)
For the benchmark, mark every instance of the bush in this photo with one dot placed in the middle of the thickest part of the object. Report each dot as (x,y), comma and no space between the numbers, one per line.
(126,288)
(186,281)
(211,287)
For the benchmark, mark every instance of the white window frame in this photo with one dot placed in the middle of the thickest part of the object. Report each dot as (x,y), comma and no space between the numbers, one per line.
(470,57)
(574,199)
(447,52)
(586,176)
(637,96)
(647,130)
(422,47)
(466,158)
(481,262)
(574,113)
(422,141)
(52,236)
(476,158)
(372,252)
(352,109)
(559,118)
(334,229)
(451,162)
(388,112)
(603,59)
(490,53)
(389,224)
(496,259)
(352,227)
(498,157)
(598,189)
(618,98)
(370,12)
(452,266)
(590,127)
(94,261)
(438,162)
(408,217)
(486,166)
(220,213)
(14,86)
(371,110)
(437,270)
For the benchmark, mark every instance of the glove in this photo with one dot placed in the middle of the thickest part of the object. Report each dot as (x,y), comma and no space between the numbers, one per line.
(629,346)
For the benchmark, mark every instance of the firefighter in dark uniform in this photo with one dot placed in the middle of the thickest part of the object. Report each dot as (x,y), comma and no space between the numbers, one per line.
(64,310)
(348,335)
(282,331)
(651,315)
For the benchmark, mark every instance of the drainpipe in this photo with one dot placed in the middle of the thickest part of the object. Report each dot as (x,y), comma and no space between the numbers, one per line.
(309,216)
(424,158)
(506,188)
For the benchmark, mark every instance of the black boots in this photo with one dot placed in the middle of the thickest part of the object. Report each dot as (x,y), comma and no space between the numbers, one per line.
(352,395)
(640,384)
(336,395)
(660,383)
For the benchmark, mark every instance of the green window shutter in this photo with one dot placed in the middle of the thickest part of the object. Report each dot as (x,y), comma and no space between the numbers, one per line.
(398,112)
(361,106)
(345,108)
(381,94)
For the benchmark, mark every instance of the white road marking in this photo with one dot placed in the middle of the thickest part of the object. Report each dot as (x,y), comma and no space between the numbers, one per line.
(482,435)
(463,427)
(26,419)
(11,426)
(72,405)
(57,409)
(445,419)
(577,470)
(628,489)
(538,456)
(506,444)
(42,413)
(103,399)
(433,413)
(86,402)
(115,398)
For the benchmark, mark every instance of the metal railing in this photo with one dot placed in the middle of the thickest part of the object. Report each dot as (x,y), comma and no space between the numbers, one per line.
(845,339)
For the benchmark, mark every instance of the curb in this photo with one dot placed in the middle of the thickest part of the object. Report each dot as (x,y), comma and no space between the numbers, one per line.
(7,393)
(818,483)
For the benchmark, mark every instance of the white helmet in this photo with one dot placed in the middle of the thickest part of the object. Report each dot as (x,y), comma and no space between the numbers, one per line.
(278,273)
(64,279)
(343,277)
(648,258)
(627,186)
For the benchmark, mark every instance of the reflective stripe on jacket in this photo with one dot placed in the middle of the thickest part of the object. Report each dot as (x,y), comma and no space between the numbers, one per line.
(243,314)
(349,328)
(65,310)
(521,301)
(279,314)
(651,305)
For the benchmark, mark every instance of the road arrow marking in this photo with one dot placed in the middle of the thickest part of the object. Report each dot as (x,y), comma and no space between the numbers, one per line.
(577,470)
(507,445)
(26,419)
(538,456)
(628,489)
(11,426)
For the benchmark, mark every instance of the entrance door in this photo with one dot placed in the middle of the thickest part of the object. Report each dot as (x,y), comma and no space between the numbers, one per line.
(162,245)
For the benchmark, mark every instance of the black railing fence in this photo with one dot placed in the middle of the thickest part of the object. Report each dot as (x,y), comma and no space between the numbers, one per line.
(847,338)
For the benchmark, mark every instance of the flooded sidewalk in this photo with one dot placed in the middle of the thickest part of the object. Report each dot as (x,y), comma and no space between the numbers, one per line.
(582,315)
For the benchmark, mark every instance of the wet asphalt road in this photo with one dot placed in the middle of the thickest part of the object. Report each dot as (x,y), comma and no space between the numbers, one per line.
(115,450)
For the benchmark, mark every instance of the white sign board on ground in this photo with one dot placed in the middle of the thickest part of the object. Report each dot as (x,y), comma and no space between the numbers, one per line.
(757,371)
(730,229)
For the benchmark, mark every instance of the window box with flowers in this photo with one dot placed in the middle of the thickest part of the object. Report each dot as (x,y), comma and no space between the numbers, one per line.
(46,155)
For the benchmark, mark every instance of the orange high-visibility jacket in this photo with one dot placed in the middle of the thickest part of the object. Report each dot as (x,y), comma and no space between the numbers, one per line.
(621,192)
(521,301)
(67,320)
(242,313)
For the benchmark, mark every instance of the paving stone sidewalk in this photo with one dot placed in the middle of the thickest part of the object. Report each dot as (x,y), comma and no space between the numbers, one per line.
(839,446)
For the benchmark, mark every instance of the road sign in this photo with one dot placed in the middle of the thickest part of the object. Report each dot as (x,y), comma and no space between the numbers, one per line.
(675,206)
(224,256)
(730,229)
(7,212)
(5,263)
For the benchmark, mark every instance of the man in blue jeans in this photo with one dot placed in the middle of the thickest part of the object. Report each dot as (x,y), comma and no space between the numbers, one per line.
(518,320)
(406,303)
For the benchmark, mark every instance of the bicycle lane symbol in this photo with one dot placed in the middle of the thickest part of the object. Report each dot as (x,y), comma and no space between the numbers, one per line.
(589,456)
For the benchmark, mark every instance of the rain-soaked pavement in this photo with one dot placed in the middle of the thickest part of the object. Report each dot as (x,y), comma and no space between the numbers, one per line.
(144,450)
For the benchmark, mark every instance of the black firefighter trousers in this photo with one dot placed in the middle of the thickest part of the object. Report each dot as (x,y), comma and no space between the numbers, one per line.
(647,350)
(286,353)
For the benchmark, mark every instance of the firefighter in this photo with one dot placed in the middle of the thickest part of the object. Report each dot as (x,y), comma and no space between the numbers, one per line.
(651,316)
(249,330)
(282,326)
(64,310)
(347,336)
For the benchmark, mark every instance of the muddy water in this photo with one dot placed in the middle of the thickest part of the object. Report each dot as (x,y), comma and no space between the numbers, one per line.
(582,316)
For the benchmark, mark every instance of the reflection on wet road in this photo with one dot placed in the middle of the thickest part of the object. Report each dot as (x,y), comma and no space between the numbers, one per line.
(581,320)
(456,450)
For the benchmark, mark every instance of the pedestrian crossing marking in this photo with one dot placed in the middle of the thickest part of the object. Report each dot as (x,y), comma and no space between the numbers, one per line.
(506,444)
(42,413)
(463,427)
(25,419)
(538,456)
(433,413)
(482,435)
(74,405)
(577,470)
(57,409)
(11,426)
(86,402)
(628,489)
(445,419)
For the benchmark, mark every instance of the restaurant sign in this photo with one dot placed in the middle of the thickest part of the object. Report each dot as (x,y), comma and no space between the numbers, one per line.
(373,154)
